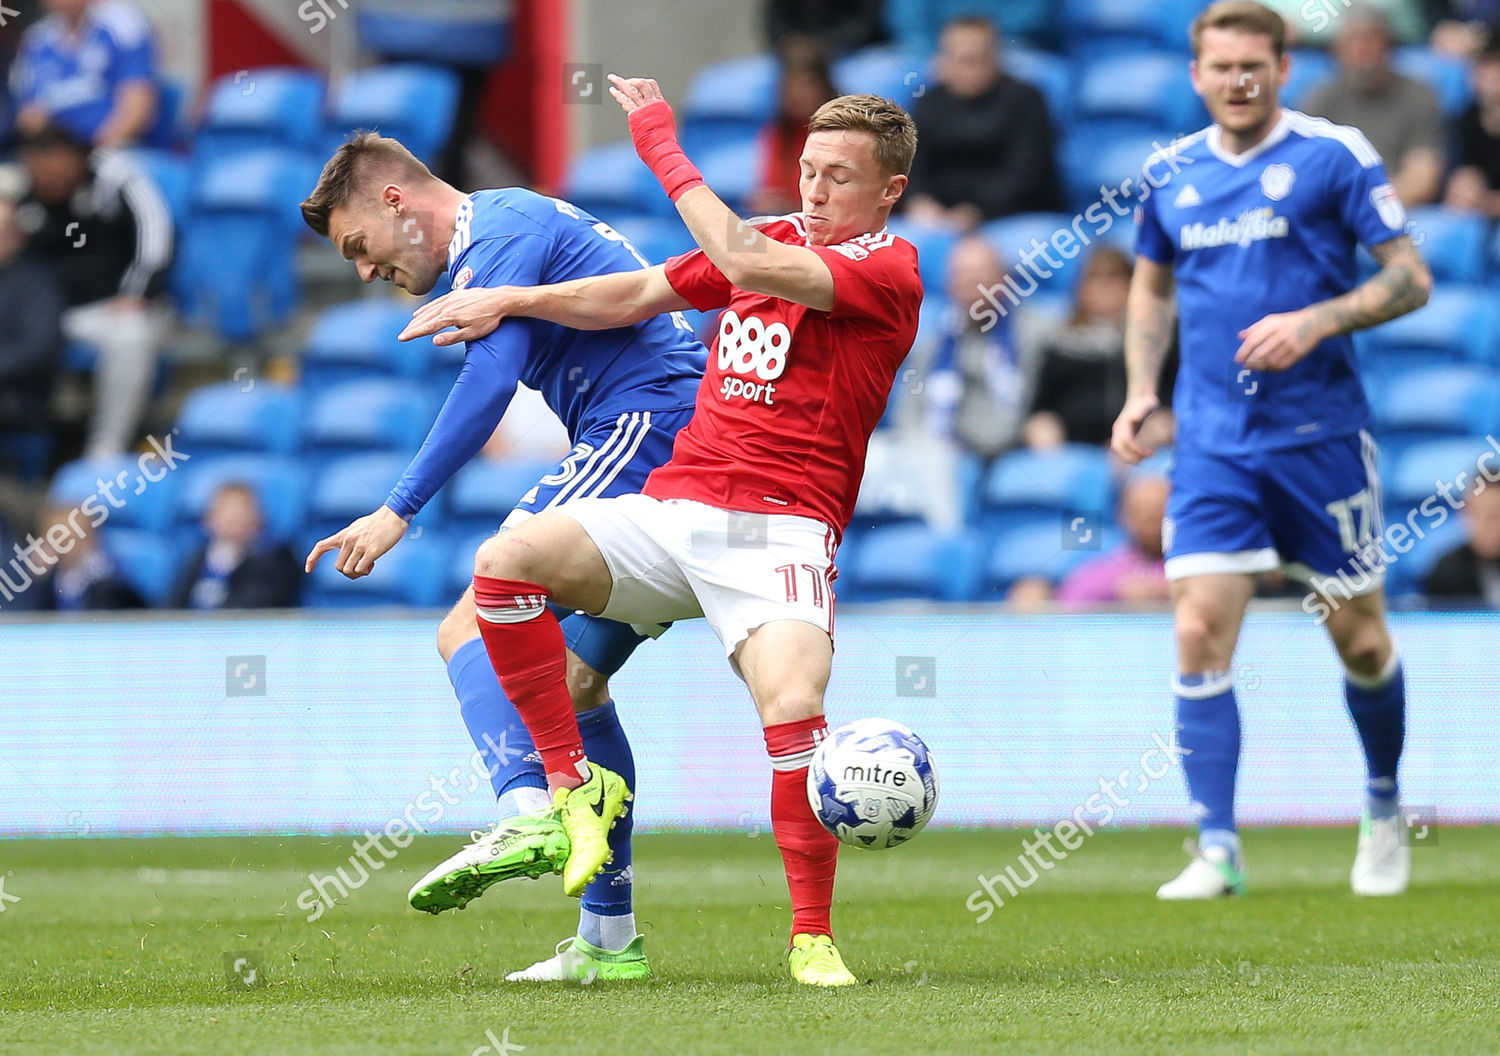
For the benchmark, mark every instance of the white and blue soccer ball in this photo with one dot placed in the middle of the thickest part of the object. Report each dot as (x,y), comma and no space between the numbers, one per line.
(872,783)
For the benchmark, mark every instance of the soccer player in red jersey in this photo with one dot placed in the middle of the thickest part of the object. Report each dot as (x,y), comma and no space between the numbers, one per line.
(741,526)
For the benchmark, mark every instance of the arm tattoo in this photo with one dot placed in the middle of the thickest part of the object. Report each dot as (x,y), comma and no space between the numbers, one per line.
(1400,286)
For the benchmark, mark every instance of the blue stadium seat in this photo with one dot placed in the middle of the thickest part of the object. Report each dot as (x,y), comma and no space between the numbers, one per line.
(410,574)
(486,490)
(1101,28)
(1050,74)
(889,72)
(1310,68)
(258,109)
(732,170)
(1139,95)
(148,561)
(912,561)
(1452,242)
(1446,76)
(1417,471)
(612,182)
(351,486)
(356,340)
(172,174)
(1073,477)
(655,237)
(237,253)
(461,551)
(1038,549)
(376,414)
(165,132)
(279,482)
(1093,156)
(1012,234)
(230,417)
(406,101)
(1458,322)
(728,102)
(143,503)
(1458,400)
(933,245)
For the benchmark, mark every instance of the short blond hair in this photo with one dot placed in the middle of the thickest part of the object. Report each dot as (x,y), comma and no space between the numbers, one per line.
(894,131)
(1247,16)
(351,166)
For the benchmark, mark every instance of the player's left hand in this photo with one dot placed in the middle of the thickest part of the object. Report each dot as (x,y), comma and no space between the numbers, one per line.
(362,543)
(632,93)
(1276,342)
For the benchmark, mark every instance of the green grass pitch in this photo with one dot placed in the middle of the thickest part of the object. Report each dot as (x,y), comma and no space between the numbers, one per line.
(119,946)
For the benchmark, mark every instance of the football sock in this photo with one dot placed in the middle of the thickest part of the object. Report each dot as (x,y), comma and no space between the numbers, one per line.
(605,918)
(525,646)
(1208,724)
(1378,707)
(809,852)
(497,731)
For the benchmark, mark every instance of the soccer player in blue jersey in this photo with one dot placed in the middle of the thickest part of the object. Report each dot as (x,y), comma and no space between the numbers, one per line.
(1257,232)
(622,393)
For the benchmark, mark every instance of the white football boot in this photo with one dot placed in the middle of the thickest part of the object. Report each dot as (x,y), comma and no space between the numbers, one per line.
(1382,864)
(1211,874)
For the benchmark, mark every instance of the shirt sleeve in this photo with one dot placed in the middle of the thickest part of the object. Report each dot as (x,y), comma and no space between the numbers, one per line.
(878,284)
(1367,203)
(698,281)
(492,369)
(22,75)
(134,59)
(1151,239)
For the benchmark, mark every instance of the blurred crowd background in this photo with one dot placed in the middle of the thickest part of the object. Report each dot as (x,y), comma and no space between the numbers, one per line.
(162,305)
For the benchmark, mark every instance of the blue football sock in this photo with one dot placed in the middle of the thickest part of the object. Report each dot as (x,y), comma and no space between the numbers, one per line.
(496,728)
(1378,707)
(606,912)
(1208,723)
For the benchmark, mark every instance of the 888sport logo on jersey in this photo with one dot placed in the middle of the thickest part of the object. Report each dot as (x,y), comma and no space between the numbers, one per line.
(752,355)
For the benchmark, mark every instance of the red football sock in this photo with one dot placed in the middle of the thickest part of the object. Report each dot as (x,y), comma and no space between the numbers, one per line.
(526,649)
(809,852)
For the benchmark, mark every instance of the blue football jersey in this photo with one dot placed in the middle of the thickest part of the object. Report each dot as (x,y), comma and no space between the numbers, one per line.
(74,78)
(589,378)
(1271,230)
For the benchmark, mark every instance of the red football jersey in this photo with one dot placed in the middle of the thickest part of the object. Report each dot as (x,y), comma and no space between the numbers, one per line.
(791,395)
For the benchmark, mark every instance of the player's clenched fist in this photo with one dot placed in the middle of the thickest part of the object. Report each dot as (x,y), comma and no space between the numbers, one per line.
(1123,440)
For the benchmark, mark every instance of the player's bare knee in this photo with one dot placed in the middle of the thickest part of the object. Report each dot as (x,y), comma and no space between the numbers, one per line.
(1364,646)
(505,556)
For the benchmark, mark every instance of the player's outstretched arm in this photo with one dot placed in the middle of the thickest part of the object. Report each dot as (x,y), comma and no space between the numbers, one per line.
(747,258)
(1149,322)
(1402,285)
(599,302)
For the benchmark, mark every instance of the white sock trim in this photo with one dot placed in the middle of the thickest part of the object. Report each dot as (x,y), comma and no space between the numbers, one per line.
(1387,673)
(1214,683)
(521,608)
(796,761)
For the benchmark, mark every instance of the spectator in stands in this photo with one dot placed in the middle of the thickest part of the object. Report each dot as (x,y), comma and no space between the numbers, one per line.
(66,569)
(105,234)
(88,66)
(238,568)
(975,383)
(1471,572)
(31,338)
(1461,28)
(917,24)
(1475,185)
(1135,570)
(984,138)
(1398,114)
(1080,365)
(805,85)
(839,26)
